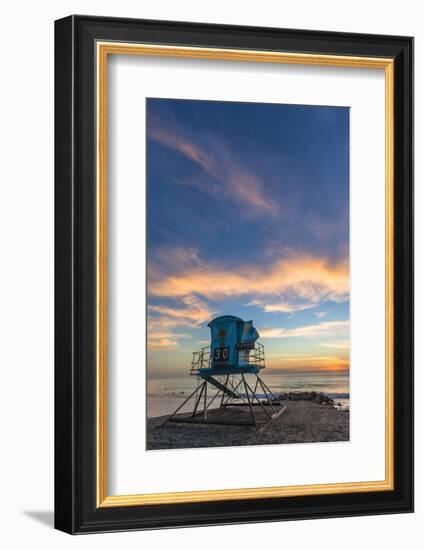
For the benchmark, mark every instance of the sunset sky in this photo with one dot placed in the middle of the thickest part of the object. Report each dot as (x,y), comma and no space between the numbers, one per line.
(248,215)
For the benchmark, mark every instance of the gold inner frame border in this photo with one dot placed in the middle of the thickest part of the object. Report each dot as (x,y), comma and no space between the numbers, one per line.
(103,50)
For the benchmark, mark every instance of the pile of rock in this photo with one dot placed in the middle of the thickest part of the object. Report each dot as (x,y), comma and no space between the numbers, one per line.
(317,397)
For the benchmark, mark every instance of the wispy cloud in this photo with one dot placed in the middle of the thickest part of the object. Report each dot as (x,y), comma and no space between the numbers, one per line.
(321,314)
(163,327)
(306,331)
(342,344)
(174,140)
(231,179)
(162,341)
(308,279)
(164,333)
(192,312)
(284,306)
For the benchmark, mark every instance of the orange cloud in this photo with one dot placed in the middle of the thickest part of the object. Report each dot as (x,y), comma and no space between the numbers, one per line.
(162,328)
(161,333)
(234,181)
(156,343)
(194,315)
(308,278)
(193,312)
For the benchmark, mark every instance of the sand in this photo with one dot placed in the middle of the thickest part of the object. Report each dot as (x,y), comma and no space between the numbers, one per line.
(301,422)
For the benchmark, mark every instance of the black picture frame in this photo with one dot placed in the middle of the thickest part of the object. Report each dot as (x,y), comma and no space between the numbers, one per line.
(76,509)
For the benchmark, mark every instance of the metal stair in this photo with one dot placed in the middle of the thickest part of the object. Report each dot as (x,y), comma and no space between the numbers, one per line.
(221,387)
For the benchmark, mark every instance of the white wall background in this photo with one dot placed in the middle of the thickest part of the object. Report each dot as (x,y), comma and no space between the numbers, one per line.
(26,271)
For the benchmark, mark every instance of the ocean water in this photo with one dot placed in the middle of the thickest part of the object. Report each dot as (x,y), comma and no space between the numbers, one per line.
(164,395)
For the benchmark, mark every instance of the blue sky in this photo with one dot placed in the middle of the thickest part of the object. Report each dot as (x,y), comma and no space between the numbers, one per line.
(247,214)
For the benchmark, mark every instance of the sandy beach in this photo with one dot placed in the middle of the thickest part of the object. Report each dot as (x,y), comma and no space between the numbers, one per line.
(303,421)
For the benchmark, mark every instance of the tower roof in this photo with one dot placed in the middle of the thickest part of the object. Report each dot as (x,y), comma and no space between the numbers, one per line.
(224,318)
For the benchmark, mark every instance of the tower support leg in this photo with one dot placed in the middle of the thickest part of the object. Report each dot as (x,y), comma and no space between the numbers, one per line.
(248,400)
(233,395)
(254,396)
(267,395)
(223,393)
(199,397)
(182,404)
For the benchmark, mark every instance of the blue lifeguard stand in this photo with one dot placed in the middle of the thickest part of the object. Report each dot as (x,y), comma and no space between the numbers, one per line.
(233,348)
(226,367)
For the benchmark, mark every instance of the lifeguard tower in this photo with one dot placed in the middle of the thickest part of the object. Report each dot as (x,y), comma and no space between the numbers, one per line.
(227,374)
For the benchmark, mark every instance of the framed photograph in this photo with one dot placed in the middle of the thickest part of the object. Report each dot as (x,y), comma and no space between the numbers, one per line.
(234,274)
